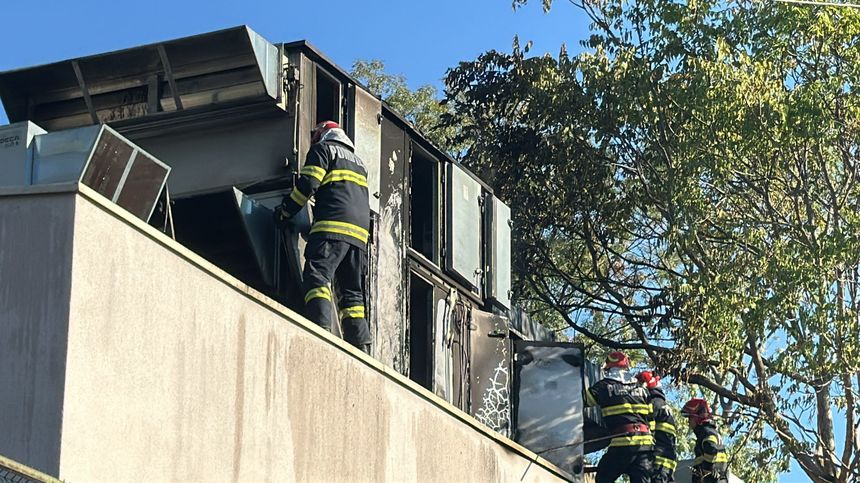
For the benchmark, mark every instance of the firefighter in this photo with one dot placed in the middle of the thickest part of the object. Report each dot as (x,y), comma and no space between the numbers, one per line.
(337,243)
(664,429)
(624,405)
(711,463)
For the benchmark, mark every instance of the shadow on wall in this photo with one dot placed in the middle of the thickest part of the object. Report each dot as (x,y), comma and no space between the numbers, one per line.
(36,246)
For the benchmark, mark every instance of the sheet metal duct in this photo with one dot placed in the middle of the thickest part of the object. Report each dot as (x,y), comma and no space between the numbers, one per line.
(16,153)
(548,402)
(228,67)
(96,156)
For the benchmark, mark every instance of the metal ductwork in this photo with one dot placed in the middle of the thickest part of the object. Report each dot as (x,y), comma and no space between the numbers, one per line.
(96,156)
(221,69)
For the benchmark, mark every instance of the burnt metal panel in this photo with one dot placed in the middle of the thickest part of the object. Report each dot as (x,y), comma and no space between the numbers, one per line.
(388,320)
(259,226)
(528,328)
(100,158)
(490,372)
(549,402)
(216,158)
(451,347)
(443,358)
(144,181)
(301,106)
(204,71)
(107,166)
(463,249)
(16,153)
(366,134)
(499,252)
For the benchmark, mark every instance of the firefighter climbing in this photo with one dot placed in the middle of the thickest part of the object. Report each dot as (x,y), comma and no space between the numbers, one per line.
(623,403)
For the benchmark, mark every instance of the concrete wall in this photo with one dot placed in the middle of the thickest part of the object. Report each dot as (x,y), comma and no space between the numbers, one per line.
(35,280)
(177,372)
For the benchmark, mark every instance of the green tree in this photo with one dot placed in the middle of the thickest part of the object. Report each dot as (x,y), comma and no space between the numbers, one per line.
(421,106)
(692,177)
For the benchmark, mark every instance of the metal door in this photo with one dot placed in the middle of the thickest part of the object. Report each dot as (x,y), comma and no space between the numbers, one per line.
(548,402)
(463,222)
(499,253)
(366,133)
(490,375)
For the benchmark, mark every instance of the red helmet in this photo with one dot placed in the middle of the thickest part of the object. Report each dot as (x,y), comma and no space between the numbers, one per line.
(617,359)
(649,379)
(321,128)
(697,410)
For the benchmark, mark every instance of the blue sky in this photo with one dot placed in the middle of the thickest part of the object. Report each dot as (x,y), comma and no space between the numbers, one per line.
(418,39)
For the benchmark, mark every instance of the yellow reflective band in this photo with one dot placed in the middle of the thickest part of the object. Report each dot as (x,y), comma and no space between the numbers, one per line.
(712,438)
(625,408)
(666,462)
(314,172)
(665,427)
(320,292)
(298,197)
(589,398)
(345,175)
(652,425)
(638,440)
(341,228)
(708,458)
(356,312)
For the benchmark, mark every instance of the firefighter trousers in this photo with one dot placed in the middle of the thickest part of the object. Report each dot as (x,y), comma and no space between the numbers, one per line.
(663,475)
(633,462)
(331,260)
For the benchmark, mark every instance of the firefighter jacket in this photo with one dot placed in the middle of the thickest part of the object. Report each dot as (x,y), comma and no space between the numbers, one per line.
(663,427)
(625,409)
(711,458)
(338,180)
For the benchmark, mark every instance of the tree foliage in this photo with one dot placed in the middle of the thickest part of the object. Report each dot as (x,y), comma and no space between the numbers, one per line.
(421,106)
(688,187)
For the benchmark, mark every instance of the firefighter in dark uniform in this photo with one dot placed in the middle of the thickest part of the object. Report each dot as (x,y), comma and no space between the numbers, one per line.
(664,429)
(711,463)
(625,409)
(337,244)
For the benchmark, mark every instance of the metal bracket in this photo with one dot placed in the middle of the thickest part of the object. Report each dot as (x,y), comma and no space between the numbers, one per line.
(168,72)
(85,91)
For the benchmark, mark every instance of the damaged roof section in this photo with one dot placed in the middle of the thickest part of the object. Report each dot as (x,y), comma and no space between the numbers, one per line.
(218,68)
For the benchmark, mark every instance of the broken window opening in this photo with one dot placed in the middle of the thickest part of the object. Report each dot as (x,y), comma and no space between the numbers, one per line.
(424,204)
(328,97)
(420,331)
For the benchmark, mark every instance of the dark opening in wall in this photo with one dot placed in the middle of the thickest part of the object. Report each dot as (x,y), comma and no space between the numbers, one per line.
(328,97)
(424,204)
(420,331)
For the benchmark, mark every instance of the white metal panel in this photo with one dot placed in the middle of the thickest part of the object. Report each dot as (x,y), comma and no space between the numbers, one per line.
(61,155)
(499,286)
(463,222)
(549,402)
(367,137)
(16,155)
